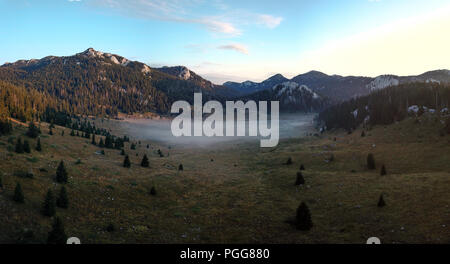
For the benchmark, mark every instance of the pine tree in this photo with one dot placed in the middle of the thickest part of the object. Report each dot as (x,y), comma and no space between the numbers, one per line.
(289,161)
(381,202)
(1,182)
(148,146)
(180,167)
(50,132)
(126,162)
(19,146)
(93,140)
(61,173)
(18,194)
(100,143)
(133,146)
(383,170)
(72,133)
(160,153)
(122,152)
(144,162)
(302,167)
(303,217)
(62,201)
(153,190)
(300,180)
(33,131)
(363,134)
(370,162)
(62,133)
(26,146)
(78,133)
(57,235)
(38,145)
(48,208)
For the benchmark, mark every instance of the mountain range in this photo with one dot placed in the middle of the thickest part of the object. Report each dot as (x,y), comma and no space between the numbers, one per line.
(99,83)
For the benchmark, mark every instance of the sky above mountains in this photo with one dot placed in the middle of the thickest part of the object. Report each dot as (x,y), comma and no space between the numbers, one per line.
(237,40)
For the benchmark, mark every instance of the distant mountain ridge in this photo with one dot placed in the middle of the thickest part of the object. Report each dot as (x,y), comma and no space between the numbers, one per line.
(341,88)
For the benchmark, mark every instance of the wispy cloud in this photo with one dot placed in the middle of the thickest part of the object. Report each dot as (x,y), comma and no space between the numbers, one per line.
(74,0)
(236,47)
(220,19)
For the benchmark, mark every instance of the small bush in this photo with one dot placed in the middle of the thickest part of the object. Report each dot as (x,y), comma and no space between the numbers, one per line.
(289,161)
(302,167)
(303,218)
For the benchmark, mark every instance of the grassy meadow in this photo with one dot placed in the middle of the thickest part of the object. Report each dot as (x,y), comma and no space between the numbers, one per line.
(236,193)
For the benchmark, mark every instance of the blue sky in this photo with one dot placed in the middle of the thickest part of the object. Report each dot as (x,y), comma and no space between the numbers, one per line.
(236,40)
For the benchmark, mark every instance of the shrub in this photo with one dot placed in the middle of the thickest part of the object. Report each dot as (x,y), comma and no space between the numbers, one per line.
(303,218)
(302,167)
(370,162)
(33,131)
(363,134)
(110,228)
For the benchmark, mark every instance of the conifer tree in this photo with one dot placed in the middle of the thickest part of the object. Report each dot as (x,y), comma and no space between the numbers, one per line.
(370,162)
(18,194)
(363,134)
(62,133)
(153,190)
(26,146)
(48,208)
(300,180)
(381,202)
(63,200)
(19,146)
(1,182)
(180,167)
(78,133)
(289,161)
(133,146)
(160,153)
(93,140)
(126,162)
(383,170)
(72,133)
(144,162)
(50,132)
(302,167)
(57,235)
(303,217)
(32,131)
(122,152)
(38,145)
(61,173)
(100,143)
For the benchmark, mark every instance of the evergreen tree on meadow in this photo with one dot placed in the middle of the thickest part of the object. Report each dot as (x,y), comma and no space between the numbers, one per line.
(126,162)
(160,153)
(62,133)
(1,182)
(18,194)
(303,217)
(370,162)
(383,170)
(19,146)
(363,134)
(48,208)
(153,191)
(180,167)
(38,145)
(122,152)
(63,200)
(33,131)
(381,202)
(26,146)
(133,146)
(302,167)
(93,140)
(300,180)
(72,133)
(144,162)
(61,173)
(57,235)
(100,143)
(50,132)
(289,161)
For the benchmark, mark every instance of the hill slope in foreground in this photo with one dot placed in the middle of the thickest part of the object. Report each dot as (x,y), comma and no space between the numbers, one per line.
(239,194)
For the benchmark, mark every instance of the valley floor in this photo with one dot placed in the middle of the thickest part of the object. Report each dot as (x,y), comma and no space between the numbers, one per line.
(239,193)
